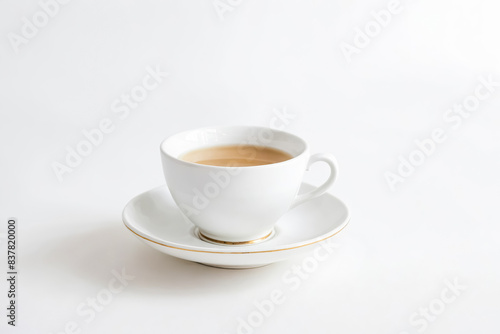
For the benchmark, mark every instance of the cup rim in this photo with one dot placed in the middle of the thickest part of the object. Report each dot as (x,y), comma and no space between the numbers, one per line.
(188,163)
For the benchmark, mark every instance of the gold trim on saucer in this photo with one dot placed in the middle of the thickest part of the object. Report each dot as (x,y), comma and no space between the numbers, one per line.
(248,252)
(234,243)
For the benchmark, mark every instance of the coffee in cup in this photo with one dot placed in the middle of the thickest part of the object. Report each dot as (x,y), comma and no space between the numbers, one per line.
(236,156)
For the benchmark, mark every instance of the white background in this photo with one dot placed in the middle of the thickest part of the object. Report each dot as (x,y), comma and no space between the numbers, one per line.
(441,223)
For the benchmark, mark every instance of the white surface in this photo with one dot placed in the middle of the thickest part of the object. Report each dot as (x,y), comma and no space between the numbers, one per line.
(401,246)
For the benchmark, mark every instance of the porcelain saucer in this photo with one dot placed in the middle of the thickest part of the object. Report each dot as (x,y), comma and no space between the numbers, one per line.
(154,217)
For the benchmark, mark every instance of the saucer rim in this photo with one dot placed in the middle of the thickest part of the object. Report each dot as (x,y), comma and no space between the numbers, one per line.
(244,252)
(292,246)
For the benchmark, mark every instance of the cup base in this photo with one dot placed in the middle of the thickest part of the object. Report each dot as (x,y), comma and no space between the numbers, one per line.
(235,243)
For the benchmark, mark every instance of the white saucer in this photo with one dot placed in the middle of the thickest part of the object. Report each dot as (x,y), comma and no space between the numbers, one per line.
(154,217)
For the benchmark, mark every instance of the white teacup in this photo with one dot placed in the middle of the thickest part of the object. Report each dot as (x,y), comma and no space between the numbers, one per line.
(238,205)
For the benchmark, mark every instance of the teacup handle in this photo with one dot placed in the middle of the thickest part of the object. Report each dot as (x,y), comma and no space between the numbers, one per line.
(332,163)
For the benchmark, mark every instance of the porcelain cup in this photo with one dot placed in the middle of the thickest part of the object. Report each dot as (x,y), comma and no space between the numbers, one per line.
(239,205)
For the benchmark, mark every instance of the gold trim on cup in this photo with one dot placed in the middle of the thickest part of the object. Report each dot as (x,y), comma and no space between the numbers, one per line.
(233,243)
